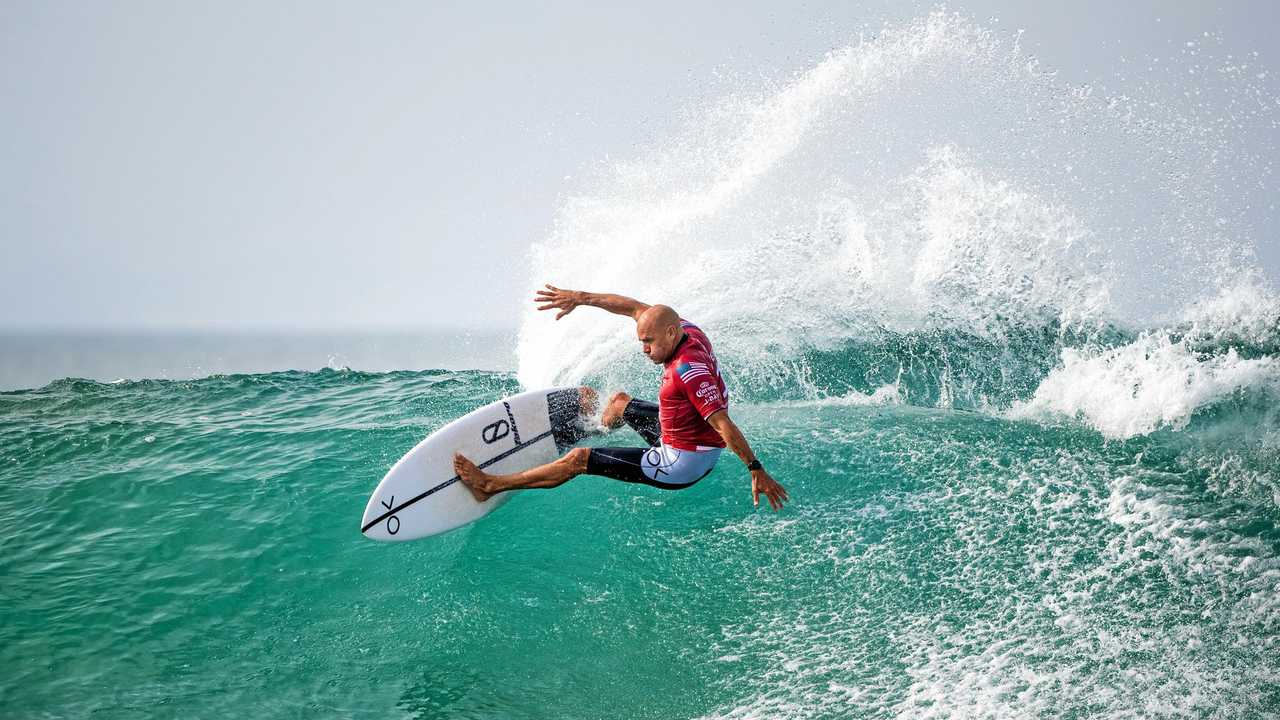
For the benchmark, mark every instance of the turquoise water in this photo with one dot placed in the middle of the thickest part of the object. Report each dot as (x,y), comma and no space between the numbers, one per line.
(35,358)
(191,548)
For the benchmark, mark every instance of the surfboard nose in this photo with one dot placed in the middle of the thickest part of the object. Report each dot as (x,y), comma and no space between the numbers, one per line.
(421,494)
(380,521)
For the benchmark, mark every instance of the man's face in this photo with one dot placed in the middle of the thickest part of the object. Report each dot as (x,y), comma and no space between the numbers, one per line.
(657,342)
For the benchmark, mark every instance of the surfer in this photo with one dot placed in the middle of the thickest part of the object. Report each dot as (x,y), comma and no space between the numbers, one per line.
(686,429)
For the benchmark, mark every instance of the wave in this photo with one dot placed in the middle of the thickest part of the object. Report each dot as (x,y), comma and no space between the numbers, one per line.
(930,210)
(1220,360)
(1154,382)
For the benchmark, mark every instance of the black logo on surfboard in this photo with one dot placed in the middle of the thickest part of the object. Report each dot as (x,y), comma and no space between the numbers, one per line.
(393,522)
(495,431)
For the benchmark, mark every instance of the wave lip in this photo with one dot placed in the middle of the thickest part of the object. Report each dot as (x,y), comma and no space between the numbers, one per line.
(1156,382)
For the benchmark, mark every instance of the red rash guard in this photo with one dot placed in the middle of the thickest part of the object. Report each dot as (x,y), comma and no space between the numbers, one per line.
(691,391)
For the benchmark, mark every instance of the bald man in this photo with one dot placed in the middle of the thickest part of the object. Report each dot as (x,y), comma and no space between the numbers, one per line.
(686,430)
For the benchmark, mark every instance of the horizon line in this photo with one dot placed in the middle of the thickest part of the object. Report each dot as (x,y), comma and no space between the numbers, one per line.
(254,329)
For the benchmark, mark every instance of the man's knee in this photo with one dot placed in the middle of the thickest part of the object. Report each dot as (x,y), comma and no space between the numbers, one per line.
(619,400)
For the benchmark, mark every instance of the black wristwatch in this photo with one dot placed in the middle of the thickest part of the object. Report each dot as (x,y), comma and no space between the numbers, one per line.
(754,465)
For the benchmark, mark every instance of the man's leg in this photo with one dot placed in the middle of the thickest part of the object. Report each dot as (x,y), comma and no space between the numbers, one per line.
(639,415)
(661,467)
(483,485)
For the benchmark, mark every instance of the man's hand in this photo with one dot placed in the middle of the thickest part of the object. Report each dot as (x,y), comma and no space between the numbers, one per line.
(762,482)
(553,298)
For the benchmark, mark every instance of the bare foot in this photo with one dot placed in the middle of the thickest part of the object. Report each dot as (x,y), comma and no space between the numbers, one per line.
(471,476)
(612,417)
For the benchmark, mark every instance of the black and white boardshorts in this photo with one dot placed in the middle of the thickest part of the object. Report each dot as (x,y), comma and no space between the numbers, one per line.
(659,465)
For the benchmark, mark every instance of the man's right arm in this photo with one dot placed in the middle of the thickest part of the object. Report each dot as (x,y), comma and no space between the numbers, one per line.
(554,298)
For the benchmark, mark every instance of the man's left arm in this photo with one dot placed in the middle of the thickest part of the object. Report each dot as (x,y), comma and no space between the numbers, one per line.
(761,481)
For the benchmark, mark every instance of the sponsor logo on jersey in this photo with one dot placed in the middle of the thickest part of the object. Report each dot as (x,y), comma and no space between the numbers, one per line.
(708,392)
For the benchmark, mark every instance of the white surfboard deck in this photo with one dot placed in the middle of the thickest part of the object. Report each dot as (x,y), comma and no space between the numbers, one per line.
(421,495)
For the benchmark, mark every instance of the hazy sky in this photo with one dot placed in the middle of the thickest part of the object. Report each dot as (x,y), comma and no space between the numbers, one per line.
(348,165)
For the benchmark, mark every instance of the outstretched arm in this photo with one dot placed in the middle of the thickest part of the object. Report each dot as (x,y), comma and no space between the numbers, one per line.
(554,298)
(761,481)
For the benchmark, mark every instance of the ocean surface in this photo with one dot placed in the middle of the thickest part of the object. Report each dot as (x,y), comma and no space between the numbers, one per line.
(1006,342)
(34,358)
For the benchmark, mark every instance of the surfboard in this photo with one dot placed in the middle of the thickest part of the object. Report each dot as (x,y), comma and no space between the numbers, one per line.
(421,495)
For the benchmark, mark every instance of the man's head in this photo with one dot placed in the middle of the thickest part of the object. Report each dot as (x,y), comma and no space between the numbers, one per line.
(658,329)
